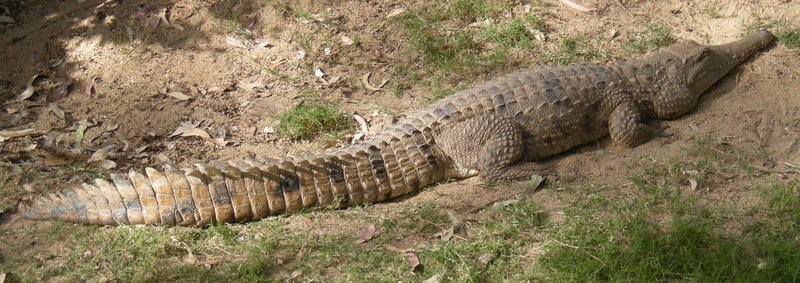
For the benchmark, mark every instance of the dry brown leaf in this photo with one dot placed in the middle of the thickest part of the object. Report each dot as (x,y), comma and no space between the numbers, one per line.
(185,126)
(5,135)
(105,164)
(215,89)
(57,111)
(103,153)
(694,185)
(578,7)
(432,279)
(56,159)
(29,91)
(413,261)
(367,233)
(179,95)
(362,124)
(346,40)
(62,91)
(250,86)
(90,87)
(396,12)
(365,81)
(178,26)
(296,274)
(484,260)
(195,132)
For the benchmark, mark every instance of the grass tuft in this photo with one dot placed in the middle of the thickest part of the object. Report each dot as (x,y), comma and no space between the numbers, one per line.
(308,120)
(516,33)
(790,38)
(652,37)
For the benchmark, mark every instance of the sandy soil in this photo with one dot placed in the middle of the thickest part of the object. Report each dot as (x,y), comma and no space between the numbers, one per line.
(236,92)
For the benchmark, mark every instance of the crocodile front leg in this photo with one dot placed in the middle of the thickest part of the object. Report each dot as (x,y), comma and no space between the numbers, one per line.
(490,146)
(626,127)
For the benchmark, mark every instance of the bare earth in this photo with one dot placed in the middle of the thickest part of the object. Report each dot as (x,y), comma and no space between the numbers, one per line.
(237,92)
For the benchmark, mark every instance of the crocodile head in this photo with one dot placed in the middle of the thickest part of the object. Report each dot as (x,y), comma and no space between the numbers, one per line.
(705,64)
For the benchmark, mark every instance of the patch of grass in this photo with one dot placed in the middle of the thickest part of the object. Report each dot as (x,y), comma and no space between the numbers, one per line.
(712,12)
(445,51)
(790,38)
(308,120)
(572,49)
(515,33)
(652,37)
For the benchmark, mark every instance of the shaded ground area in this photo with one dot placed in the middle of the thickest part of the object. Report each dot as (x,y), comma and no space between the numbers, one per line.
(712,197)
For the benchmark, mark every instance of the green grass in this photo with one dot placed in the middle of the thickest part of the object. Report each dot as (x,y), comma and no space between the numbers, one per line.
(651,37)
(572,49)
(515,33)
(790,38)
(308,120)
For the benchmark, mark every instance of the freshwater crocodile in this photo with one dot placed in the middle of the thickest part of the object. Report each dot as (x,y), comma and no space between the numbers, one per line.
(497,130)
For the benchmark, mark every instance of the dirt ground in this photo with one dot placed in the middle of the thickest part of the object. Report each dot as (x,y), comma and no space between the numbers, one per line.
(122,71)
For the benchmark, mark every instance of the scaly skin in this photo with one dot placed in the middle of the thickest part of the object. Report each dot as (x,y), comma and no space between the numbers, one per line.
(496,130)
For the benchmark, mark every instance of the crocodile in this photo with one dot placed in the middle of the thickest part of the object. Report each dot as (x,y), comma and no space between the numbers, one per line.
(498,130)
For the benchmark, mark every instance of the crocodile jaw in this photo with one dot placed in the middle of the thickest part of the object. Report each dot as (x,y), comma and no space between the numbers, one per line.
(705,65)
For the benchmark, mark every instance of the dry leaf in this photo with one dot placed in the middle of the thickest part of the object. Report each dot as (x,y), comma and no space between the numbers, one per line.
(413,261)
(53,108)
(432,279)
(396,12)
(365,81)
(185,126)
(2,277)
(578,7)
(318,73)
(536,181)
(6,20)
(235,42)
(367,233)
(215,89)
(179,95)
(250,86)
(103,153)
(90,87)
(178,26)
(694,185)
(484,260)
(6,135)
(347,40)
(62,91)
(29,90)
(296,274)
(105,164)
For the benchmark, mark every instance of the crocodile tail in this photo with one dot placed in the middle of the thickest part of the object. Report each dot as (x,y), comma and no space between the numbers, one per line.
(233,192)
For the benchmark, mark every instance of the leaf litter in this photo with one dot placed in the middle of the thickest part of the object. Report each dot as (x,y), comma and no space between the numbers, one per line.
(189,129)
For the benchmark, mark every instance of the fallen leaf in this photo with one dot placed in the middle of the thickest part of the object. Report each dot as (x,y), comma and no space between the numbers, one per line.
(183,127)
(178,26)
(213,260)
(196,133)
(484,260)
(505,203)
(578,7)
(250,86)
(179,95)
(296,274)
(432,279)
(90,87)
(694,185)
(235,42)
(215,89)
(29,91)
(396,12)
(105,164)
(103,153)
(56,62)
(365,81)
(346,40)
(129,32)
(7,20)
(6,135)
(367,233)
(57,159)
(62,91)
(53,108)
(536,181)
(413,261)
(445,234)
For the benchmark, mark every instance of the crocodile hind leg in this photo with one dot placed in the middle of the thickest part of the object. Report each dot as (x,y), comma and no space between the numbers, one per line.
(490,146)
